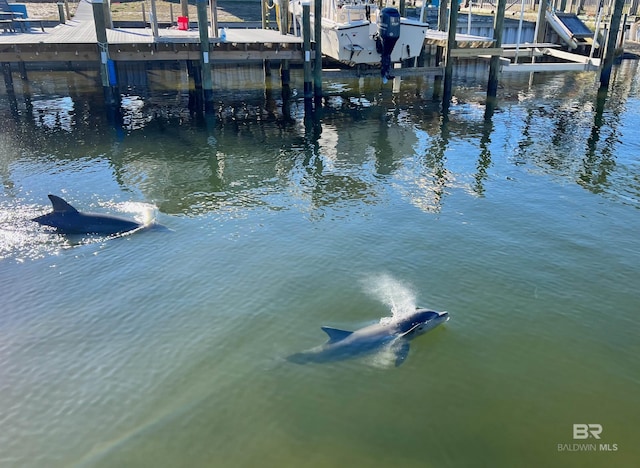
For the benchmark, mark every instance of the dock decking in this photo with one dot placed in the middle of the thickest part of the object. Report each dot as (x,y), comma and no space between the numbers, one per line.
(76,40)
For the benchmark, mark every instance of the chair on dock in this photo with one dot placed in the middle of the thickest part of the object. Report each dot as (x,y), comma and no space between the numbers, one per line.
(14,17)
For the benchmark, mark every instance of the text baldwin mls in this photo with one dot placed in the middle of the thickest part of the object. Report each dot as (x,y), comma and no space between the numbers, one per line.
(586,431)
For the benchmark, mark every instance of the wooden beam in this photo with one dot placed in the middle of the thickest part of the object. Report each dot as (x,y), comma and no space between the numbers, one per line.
(466,53)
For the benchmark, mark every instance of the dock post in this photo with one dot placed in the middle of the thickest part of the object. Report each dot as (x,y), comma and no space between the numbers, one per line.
(205,64)
(306,47)
(448,64)
(184,8)
(540,29)
(317,65)
(61,13)
(265,13)
(213,7)
(8,77)
(442,26)
(612,43)
(154,19)
(109,80)
(494,63)
(66,8)
(22,68)
(107,14)
(195,93)
(285,73)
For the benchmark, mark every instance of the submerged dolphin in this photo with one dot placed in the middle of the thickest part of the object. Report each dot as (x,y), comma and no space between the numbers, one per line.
(397,333)
(67,220)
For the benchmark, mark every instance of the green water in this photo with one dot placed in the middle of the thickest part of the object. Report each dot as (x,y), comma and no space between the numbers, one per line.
(168,348)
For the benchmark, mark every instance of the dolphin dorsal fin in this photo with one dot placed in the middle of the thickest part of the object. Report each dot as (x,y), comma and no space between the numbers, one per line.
(336,334)
(61,206)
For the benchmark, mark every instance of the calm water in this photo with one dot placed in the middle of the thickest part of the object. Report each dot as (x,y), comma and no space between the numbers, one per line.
(167,348)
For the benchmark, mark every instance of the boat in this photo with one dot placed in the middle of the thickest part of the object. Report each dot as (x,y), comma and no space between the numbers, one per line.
(361,32)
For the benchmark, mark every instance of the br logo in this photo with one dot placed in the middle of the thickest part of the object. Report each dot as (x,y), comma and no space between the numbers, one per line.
(584,431)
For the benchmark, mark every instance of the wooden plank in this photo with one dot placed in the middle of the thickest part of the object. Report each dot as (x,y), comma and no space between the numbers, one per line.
(476,52)
(566,56)
(545,67)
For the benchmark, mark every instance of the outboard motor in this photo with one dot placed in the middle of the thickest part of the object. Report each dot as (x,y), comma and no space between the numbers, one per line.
(389,32)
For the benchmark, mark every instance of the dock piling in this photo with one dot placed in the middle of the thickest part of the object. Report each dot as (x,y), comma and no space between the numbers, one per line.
(448,64)
(154,19)
(107,73)
(205,63)
(285,74)
(494,63)
(306,48)
(184,8)
(317,65)
(8,77)
(61,13)
(611,44)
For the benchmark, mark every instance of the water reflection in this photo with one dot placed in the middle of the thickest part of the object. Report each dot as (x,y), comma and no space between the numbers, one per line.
(555,130)
(363,140)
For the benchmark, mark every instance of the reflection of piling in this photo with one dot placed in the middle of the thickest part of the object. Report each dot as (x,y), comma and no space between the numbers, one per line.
(612,42)
(494,63)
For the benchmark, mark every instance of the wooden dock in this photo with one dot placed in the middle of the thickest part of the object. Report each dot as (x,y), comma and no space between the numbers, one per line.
(76,40)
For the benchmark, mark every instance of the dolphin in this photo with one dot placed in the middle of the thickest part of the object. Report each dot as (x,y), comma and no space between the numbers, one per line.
(67,220)
(396,334)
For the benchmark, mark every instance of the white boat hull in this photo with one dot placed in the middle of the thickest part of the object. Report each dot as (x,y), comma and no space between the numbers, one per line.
(350,38)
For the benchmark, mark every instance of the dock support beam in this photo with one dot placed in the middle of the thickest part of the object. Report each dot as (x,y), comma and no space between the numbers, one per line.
(612,43)
(494,63)
(448,64)
(205,62)
(317,65)
(107,68)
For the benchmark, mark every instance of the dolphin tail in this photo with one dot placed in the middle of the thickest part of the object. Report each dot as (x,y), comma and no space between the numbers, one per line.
(61,206)
(298,358)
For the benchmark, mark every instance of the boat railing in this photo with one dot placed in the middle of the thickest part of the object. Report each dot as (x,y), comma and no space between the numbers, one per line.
(342,12)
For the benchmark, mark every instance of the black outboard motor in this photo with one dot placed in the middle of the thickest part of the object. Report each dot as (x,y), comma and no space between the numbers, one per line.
(389,31)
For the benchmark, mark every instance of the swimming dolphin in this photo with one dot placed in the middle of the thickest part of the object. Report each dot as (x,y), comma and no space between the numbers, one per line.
(397,333)
(67,220)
